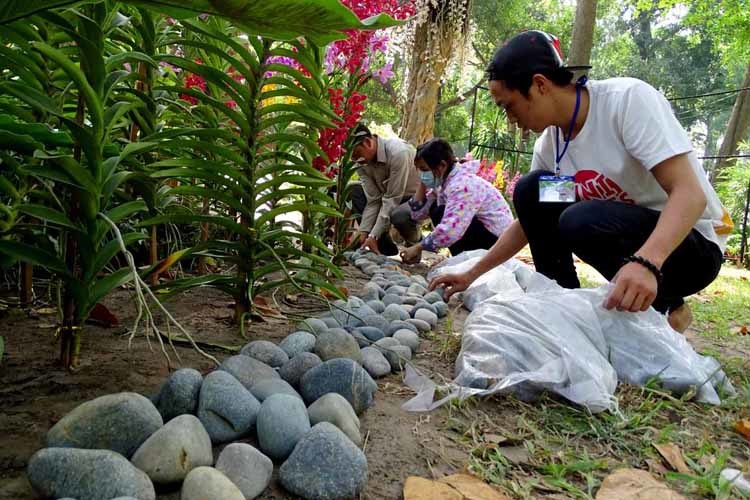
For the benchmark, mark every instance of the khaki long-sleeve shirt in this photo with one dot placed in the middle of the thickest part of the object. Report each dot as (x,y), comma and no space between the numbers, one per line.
(385,182)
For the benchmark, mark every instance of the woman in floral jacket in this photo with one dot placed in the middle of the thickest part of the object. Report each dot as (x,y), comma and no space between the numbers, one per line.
(467,211)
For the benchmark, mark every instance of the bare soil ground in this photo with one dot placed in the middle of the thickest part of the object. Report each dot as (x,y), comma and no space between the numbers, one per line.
(35,392)
(548,449)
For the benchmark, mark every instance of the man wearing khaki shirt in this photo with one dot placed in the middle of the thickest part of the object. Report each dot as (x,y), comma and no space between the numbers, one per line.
(388,179)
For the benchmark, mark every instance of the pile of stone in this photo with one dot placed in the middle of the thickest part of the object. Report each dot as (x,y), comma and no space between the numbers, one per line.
(298,401)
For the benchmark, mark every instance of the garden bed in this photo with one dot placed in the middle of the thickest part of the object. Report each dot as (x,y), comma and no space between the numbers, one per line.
(36,393)
(547,449)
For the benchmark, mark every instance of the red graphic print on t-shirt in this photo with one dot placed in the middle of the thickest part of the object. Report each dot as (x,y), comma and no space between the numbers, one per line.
(593,185)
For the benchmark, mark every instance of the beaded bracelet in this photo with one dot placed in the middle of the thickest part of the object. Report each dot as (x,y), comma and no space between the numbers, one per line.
(648,265)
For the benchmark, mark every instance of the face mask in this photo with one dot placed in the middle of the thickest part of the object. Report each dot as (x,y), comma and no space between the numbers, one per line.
(429,180)
(360,161)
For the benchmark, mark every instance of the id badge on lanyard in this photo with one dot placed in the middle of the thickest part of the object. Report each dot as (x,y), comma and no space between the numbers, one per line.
(561,188)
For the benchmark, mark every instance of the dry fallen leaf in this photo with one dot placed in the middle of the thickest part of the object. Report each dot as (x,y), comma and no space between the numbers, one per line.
(419,488)
(743,427)
(46,310)
(739,330)
(634,484)
(673,456)
(472,488)
(494,438)
(656,466)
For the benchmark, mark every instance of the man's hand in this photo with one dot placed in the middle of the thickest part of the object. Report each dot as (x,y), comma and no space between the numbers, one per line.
(635,289)
(412,255)
(370,244)
(453,283)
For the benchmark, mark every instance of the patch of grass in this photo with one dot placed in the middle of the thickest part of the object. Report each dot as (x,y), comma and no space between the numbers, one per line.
(551,447)
(725,304)
(448,341)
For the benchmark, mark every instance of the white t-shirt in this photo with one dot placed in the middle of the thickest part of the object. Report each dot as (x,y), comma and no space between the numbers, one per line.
(630,128)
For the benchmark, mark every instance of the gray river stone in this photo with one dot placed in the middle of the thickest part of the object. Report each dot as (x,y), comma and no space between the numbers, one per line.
(282,422)
(396,353)
(416,289)
(296,343)
(118,422)
(391,298)
(374,362)
(293,370)
(226,409)
(441,308)
(421,325)
(248,468)
(331,322)
(423,305)
(407,338)
(325,465)
(207,483)
(420,280)
(337,343)
(174,450)
(342,376)
(362,341)
(333,408)
(247,370)
(395,312)
(263,389)
(396,290)
(376,320)
(312,325)
(411,300)
(355,302)
(428,317)
(376,305)
(179,394)
(400,325)
(86,475)
(265,352)
(433,297)
(372,291)
(371,333)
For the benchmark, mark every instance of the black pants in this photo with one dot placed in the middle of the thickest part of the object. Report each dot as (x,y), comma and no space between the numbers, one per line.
(400,219)
(602,233)
(476,236)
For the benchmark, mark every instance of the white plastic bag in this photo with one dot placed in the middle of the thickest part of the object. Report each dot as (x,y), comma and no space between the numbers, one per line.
(527,334)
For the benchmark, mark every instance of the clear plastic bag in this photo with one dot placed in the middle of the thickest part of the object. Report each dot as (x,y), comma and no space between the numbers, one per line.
(526,334)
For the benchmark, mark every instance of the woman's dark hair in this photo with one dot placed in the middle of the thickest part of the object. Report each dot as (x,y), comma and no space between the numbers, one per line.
(434,151)
(521,80)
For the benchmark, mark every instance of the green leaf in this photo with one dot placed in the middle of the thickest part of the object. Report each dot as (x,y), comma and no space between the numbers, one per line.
(94,105)
(299,180)
(48,214)
(34,255)
(107,253)
(225,222)
(39,131)
(105,285)
(213,194)
(299,206)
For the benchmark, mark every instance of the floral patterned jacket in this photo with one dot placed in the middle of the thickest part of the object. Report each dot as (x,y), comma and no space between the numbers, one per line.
(465,196)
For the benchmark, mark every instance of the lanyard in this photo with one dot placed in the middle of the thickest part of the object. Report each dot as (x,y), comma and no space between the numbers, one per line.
(558,154)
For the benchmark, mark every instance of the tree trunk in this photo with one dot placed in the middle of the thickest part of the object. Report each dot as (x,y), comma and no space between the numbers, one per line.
(434,40)
(26,295)
(737,126)
(153,254)
(583,34)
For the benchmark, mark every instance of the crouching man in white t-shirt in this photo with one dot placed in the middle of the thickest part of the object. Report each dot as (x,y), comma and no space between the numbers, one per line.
(630,197)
